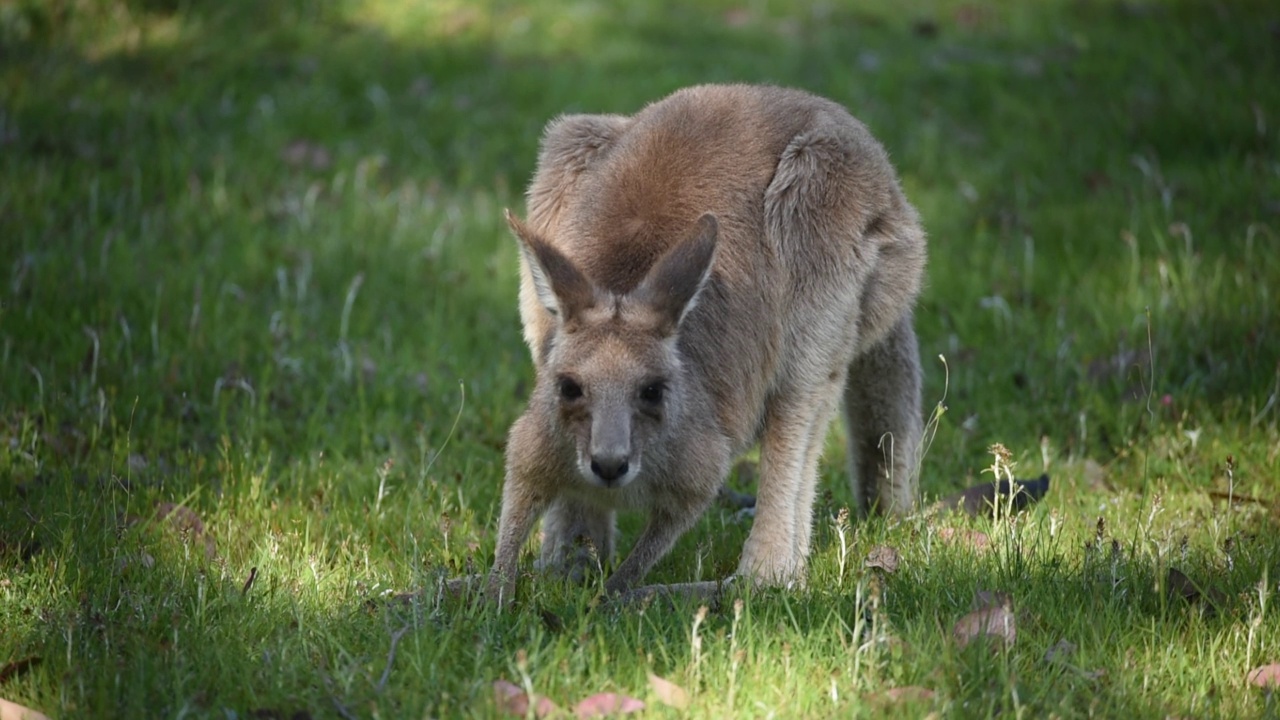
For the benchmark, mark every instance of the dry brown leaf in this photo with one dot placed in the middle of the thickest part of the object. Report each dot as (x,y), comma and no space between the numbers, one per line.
(1265,676)
(66,441)
(14,711)
(1060,651)
(188,524)
(512,700)
(602,704)
(982,500)
(992,618)
(1118,365)
(1178,585)
(551,621)
(738,17)
(506,691)
(1095,476)
(668,693)
(973,539)
(136,462)
(883,557)
(987,598)
(273,714)
(300,153)
(18,667)
(908,694)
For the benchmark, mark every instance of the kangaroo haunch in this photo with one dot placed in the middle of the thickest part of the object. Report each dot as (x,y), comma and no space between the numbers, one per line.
(719,270)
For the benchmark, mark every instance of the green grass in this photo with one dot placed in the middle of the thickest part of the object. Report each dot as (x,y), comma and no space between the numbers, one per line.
(254,263)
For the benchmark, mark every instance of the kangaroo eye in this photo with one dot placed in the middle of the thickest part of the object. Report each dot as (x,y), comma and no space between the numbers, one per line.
(652,393)
(570,390)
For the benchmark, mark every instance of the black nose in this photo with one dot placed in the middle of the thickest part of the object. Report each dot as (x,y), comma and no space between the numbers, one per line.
(609,469)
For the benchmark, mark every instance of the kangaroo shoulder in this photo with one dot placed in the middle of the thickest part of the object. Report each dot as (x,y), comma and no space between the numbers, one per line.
(570,145)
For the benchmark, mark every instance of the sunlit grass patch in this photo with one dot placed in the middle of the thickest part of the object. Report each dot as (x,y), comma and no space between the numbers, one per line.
(254,266)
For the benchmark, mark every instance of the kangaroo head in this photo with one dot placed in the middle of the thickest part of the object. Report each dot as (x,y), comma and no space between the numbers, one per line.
(613,372)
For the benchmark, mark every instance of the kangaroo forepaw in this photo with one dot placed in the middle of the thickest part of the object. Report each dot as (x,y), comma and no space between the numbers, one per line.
(782,571)
(576,565)
(706,591)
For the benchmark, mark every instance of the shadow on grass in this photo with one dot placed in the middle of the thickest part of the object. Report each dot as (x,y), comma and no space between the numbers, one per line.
(162,174)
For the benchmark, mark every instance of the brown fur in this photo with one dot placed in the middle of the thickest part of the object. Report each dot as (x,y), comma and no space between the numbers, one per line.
(749,250)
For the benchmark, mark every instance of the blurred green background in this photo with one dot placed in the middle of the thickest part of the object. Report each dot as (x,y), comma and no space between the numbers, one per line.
(254,263)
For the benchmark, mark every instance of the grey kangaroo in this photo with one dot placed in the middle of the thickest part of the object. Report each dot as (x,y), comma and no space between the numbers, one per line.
(718,270)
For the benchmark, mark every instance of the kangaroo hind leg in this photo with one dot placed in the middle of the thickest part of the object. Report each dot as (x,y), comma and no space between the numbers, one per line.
(883,415)
(577,539)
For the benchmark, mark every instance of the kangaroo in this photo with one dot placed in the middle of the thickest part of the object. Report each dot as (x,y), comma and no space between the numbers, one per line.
(715,271)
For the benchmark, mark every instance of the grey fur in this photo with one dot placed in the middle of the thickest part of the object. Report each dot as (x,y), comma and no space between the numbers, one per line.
(749,250)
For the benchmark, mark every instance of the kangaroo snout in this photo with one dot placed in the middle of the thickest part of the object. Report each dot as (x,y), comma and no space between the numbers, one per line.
(609,467)
(611,449)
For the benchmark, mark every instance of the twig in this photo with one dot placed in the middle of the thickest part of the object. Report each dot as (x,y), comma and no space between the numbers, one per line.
(253,575)
(391,657)
(333,697)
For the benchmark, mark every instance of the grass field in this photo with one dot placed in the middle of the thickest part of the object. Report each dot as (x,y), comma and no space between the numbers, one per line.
(254,266)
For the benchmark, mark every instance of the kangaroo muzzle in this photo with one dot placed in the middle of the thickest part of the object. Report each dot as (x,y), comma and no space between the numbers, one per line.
(611,449)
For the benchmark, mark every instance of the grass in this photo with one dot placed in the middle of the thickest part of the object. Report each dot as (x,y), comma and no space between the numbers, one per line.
(255,265)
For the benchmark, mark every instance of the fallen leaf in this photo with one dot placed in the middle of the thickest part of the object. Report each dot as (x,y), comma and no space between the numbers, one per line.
(908,694)
(668,693)
(1060,650)
(973,539)
(992,618)
(514,701)
(1095,476)
(67,441)
(510,697)
(971,16)
(738,17)
(188,524)
(982,499)
(1096,180)
(1237,498)
(17,667)
(1266,676)
(1124,360)
(14,711)
(602,704)
(273,714)
(925,28)
(420,87)
(1178,585)
(883,557)
(987,598)
(551,621)
(304,153)
(25,549)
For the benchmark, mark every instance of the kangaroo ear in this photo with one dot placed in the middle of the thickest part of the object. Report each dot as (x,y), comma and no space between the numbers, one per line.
(675,281)
(561,287)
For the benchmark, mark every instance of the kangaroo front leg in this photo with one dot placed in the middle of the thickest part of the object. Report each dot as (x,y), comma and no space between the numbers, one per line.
(660,533)
(788,474)
(829,399)
(520,511)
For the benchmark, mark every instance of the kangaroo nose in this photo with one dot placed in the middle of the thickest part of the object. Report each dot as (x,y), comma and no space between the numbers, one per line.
(609,468)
